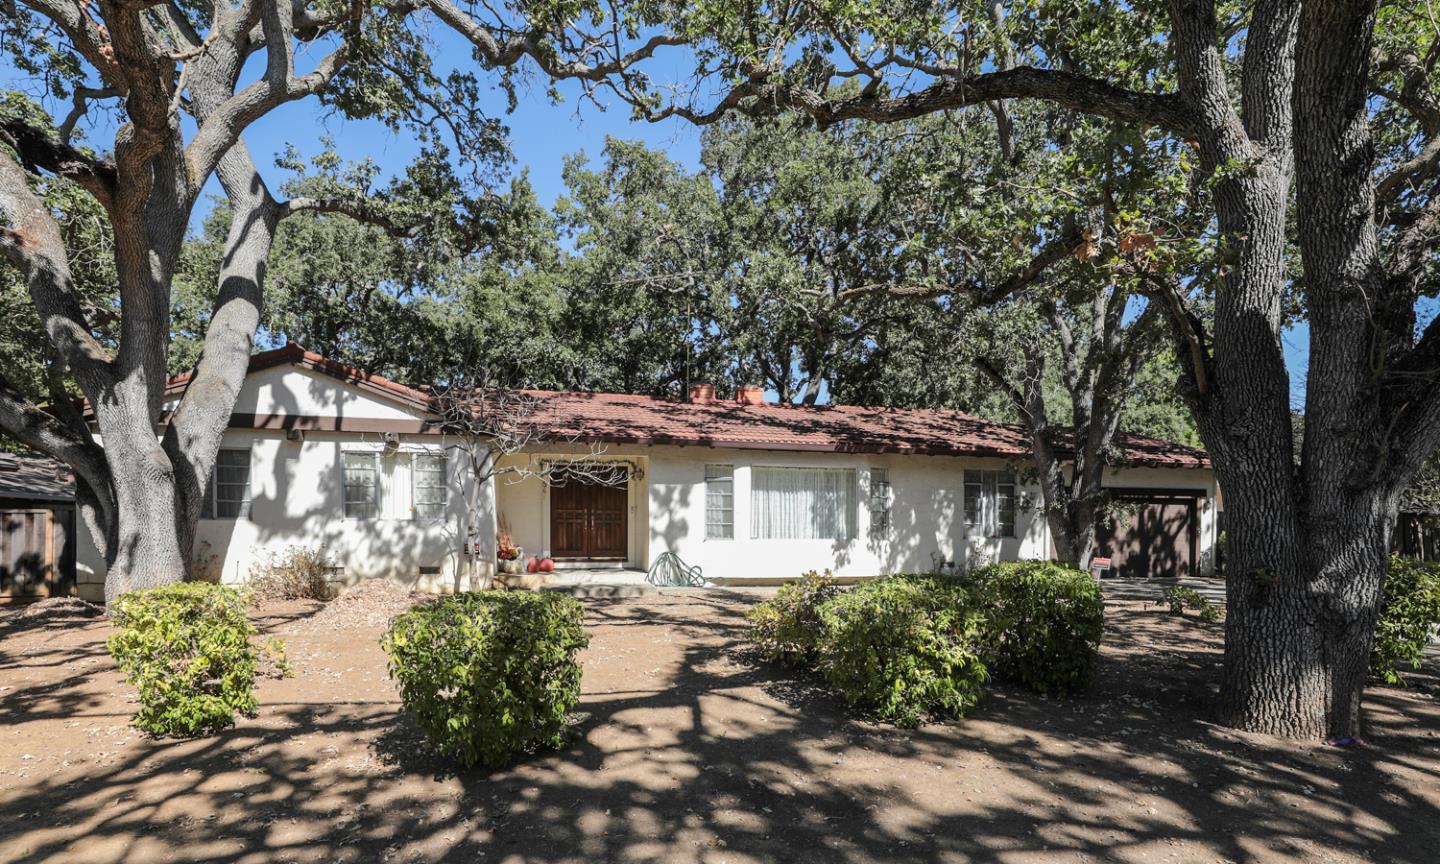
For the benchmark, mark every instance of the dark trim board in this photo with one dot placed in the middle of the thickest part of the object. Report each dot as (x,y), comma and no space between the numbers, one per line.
(315,423)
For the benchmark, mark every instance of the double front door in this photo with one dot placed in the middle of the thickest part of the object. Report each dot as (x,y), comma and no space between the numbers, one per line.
(588,520)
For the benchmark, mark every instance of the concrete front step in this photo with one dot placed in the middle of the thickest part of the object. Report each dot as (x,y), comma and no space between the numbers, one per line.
(599,582)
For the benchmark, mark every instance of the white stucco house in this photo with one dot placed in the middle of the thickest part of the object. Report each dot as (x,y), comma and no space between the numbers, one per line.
(322,455)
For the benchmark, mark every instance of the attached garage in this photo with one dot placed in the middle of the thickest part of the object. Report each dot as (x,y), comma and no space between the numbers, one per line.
(37,529)
(1155,534)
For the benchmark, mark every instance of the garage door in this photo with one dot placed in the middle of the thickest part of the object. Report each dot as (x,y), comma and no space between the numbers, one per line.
(1155,537)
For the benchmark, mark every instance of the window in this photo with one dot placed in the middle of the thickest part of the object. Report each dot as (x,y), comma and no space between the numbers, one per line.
(362,485)
(229,494)
(429,485)
(990,503)
(802,504)
(719,502)
(880,498)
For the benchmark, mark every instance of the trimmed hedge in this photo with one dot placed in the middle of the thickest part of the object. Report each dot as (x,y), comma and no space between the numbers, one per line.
(909,648)
(489,674)
(1043,623)
(786,627)
(903,650)
(187,648)
(1408,618)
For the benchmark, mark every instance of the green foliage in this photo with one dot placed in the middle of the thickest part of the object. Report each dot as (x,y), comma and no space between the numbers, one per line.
(786,626)
(1408,618)
(489,674)
(1043,623)
(1179,598)
(903,650)
(187,649)
(297,573)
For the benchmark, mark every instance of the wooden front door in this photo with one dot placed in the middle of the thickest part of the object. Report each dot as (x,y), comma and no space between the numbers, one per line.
(588,520)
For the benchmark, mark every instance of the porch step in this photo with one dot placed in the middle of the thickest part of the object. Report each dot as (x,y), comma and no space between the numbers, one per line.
(580,564)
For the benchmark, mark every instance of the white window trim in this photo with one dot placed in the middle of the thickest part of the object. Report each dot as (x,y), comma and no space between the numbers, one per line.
(415,457)
(708,478)
(988,523)
(851,515)
(379,507)
(210,507)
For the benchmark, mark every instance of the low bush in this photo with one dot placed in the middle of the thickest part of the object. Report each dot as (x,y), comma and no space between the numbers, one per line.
(187,649)
(489,674)
(1408,618)
(903,650)
(1043,623)
(297,573)
(787,626)
(1178,599)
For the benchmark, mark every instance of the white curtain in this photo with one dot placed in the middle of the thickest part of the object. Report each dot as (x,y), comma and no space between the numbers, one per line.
(802,504)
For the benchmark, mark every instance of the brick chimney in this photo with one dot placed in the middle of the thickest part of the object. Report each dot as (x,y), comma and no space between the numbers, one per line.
(701,394)
(750,395)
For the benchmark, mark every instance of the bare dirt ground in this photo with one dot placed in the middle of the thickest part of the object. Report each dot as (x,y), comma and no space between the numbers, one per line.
(690,751)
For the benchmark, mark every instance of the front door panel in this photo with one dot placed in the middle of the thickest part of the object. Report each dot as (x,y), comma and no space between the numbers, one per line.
(588,520)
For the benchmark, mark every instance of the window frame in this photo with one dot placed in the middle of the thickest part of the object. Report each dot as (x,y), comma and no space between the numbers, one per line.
(210,507)
(848,519)
(729,480)
(374,458)
(882,494)
(992,521)
(415,487)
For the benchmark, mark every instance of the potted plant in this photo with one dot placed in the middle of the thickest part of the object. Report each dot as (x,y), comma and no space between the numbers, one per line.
(509,553)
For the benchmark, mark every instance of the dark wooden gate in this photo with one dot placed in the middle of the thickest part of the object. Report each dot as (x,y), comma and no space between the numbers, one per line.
(1157,538)
(37,555)
(588,520)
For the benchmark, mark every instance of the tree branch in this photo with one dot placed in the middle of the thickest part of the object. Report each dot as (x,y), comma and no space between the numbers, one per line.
(40,151)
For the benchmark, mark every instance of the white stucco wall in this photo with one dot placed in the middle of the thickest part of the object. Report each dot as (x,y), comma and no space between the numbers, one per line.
(297,495)
(927,513)
(297,499)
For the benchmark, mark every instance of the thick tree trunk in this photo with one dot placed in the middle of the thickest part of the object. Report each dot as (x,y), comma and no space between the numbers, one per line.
(146,550)
(1299,629)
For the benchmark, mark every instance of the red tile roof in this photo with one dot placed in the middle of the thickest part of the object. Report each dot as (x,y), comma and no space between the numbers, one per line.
(618,418)
(623,419)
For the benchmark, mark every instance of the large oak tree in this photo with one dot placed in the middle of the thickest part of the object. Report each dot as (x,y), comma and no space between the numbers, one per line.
(187,79)
(1286,103)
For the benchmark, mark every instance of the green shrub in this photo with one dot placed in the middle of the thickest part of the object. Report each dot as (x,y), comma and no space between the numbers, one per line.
(904,650)
(787,626)
(187,648)
(1408,618)
(489,674)
(1178,599)
(1043,623)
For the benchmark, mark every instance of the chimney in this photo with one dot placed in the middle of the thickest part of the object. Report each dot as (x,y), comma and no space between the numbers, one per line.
(701,394)
(750,395)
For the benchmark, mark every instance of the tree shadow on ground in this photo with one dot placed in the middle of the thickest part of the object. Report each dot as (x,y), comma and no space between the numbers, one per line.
(691,751)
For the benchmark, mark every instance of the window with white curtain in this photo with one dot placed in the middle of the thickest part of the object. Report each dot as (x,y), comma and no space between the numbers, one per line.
(990,503)
(428,481)
(802,503)
(229,494)
(719,502)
